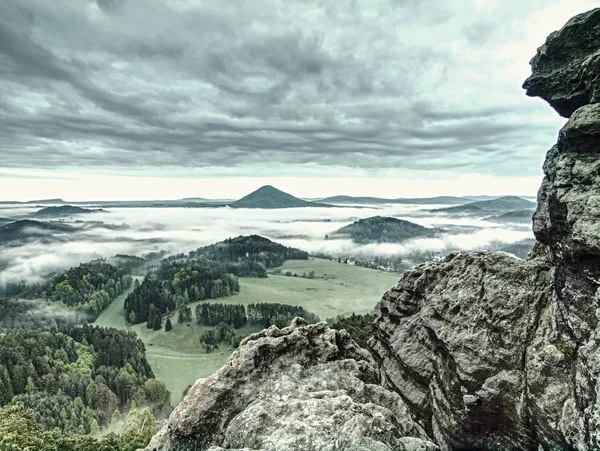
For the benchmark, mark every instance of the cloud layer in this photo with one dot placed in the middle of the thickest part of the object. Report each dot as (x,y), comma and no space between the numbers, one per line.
(380,83)
(183,229)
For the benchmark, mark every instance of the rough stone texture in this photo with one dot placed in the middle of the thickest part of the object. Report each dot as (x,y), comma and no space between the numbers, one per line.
(452,340)
(494,353)
(566,69)
(298,388)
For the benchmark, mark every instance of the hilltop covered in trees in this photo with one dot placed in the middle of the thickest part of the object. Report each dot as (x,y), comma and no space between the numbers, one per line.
(248,255)
(381,229)
(24,230)
(87,288)
(63,210)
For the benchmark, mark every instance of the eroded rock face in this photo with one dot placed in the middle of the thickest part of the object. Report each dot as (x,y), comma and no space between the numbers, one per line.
(452,340)
(496,353)
(566,69)
(298,388)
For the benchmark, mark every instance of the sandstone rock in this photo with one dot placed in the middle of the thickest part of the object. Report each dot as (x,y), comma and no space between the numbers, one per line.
(298,388)
(452,340)
(566,69)
(494,353)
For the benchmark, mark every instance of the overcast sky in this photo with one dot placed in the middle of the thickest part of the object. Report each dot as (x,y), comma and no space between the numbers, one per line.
(170,98)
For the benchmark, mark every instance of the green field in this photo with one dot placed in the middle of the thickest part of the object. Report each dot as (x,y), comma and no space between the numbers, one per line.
(338,289)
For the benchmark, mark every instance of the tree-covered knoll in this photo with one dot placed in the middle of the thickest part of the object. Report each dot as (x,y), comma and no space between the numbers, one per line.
(382,229)
(86,289)
(63,210)
(174,286)
(76,379)
(26,229)
(131,264)
(247,255)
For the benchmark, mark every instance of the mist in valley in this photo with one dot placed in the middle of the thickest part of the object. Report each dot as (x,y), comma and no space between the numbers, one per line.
(139,231)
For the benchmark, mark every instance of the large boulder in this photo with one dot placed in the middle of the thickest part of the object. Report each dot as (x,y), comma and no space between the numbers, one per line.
(566,69)
(298,388)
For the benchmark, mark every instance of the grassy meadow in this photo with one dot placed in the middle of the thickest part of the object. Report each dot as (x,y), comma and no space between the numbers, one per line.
(337,289)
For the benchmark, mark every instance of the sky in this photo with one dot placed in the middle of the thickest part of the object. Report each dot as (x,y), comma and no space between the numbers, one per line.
(164,99)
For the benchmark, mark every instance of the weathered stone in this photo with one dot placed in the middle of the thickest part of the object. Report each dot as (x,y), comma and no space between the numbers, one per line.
(568,214)
(298,388)
(452,339)
(566,69)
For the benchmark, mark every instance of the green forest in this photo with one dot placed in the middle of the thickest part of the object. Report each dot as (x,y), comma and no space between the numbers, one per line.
(63,381)
(173,287)
(76,381)
(86,289)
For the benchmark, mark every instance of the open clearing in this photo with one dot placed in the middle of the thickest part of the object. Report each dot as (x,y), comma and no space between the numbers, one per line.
(338,289)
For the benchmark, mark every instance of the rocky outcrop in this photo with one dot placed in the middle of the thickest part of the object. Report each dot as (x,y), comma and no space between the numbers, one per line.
(477,351)
(491,352)
(452,340)
(566,69)
(298,388)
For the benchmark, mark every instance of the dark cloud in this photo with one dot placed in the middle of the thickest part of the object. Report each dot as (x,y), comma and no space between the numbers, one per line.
(113,83)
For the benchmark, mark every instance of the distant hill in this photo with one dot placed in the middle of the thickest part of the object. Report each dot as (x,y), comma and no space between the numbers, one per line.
(270,197)
(63,210)
(499,205)
(512,216)
(379,229)
(39,201)
(440,200)
(27,229)
(245,255)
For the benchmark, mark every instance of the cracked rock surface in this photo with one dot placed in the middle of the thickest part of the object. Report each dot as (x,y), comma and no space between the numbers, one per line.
(492,352)
(298,388)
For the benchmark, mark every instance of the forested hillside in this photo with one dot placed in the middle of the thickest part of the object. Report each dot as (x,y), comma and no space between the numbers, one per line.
(88,288)
(76,379)
(173,287)
(248,255)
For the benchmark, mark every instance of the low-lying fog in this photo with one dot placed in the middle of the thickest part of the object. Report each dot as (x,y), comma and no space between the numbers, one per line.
(143,230)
